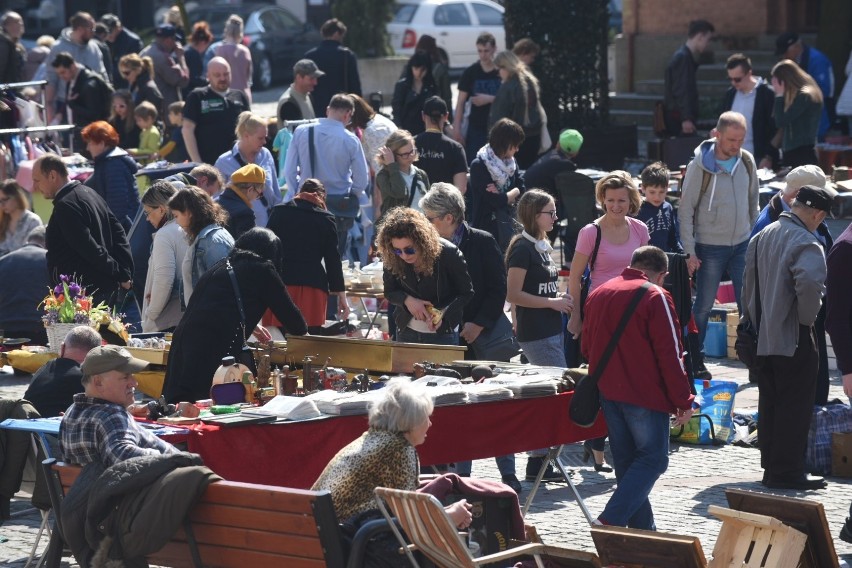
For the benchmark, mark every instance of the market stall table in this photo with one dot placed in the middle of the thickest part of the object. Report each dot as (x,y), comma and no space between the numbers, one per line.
(293,454)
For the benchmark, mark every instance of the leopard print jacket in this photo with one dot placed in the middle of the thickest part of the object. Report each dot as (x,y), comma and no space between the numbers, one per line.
(378,458)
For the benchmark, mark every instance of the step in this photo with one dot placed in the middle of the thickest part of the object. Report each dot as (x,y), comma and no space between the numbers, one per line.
(706,88)
(628,117)
(632,101)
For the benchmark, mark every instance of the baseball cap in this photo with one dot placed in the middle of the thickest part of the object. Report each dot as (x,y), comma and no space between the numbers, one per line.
(111,358)
(804,175)
(307,67)
(435,107)
(168,30)
(570,141)
(816,197)
(249,173)
(785,40)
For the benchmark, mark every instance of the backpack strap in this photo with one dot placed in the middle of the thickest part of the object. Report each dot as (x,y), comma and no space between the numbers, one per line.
(705,176)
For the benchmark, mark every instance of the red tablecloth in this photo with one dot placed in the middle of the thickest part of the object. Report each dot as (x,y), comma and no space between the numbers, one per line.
(294,454)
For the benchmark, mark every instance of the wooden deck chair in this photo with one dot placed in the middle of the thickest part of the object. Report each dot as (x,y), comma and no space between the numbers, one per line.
(427,525)
(636,548)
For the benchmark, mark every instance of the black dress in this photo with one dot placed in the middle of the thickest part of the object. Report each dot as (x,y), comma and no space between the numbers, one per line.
(210,328)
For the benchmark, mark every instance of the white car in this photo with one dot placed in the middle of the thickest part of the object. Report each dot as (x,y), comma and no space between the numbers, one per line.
(455,25)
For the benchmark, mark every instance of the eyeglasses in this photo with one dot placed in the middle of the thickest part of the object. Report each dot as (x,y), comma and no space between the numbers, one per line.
(124,73)
(148,213)
(432,219)
(408,251)
(552,213)
(406,154)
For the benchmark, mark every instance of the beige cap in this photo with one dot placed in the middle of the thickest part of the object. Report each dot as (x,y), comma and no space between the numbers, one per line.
(804,175)
(111,358)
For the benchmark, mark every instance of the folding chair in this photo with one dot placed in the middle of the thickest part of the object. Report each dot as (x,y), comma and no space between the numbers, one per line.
(424,520)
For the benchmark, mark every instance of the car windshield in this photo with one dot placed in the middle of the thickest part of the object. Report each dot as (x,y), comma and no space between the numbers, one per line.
(404,13)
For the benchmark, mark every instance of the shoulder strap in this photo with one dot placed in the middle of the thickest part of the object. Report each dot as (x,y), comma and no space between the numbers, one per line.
(622,324)
(238,296)
(597,246)
(705,176)
(757,283)
(312,151)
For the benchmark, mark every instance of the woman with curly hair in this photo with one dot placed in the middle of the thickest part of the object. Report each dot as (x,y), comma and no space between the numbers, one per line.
(798,109)
(518,99)
(203,220)
(425,278)
(16,219)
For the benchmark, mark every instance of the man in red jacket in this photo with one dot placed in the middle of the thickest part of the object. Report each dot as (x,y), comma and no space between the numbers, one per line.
(643,383)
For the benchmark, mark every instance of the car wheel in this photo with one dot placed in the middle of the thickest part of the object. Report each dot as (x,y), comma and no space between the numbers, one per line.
(263,73)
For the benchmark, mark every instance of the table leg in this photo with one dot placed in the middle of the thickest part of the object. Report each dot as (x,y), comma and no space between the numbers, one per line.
(553,456)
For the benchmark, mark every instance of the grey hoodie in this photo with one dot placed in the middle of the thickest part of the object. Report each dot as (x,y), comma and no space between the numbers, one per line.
(88,55)
(728,209)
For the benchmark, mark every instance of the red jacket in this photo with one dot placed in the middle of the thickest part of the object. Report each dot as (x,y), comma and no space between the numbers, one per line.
(646,368)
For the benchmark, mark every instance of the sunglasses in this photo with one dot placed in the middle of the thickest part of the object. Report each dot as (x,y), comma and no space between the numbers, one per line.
(408,251)
(736,80)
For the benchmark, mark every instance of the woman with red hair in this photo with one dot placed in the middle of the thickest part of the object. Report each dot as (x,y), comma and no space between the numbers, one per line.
(114,177)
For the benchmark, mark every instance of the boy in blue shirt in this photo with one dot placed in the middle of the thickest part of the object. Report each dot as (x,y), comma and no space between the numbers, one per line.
(657,213)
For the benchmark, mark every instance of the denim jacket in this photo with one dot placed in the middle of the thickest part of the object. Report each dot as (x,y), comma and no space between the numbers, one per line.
(211,245)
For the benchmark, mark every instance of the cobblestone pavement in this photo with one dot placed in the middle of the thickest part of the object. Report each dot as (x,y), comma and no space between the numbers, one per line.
(696,478)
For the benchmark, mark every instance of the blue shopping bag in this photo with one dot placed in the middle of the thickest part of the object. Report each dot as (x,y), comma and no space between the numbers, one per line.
(715,423)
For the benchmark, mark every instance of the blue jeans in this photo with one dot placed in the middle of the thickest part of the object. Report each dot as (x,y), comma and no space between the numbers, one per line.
(408,335)
(639,441)
(714,261)
(506,465)
(547,352)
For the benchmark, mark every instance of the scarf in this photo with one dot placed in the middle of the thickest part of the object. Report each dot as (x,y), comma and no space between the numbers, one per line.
(314,198)
(242,195)
(500,170)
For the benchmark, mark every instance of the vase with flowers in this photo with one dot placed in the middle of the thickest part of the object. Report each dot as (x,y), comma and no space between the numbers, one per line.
(67,305)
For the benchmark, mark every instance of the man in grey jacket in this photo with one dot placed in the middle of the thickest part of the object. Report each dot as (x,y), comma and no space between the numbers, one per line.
(717,210)
(783,290)
(76,40)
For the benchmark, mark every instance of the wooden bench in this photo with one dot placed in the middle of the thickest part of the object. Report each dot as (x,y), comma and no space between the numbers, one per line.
(244,524)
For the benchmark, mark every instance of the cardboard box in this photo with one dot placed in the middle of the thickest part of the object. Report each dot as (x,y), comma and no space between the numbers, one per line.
(841,454)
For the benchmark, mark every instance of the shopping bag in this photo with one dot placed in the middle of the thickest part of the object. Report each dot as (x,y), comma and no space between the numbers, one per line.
(715,423)
(826,421)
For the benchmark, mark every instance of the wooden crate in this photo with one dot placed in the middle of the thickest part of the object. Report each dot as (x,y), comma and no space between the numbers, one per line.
(749,539)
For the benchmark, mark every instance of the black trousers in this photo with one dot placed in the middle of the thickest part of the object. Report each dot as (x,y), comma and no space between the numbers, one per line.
(787,386)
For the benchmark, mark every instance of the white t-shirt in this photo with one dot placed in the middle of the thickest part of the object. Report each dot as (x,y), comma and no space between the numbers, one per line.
(744,104)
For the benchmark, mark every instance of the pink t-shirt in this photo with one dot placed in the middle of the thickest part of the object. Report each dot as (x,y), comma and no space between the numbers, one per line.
(612,259)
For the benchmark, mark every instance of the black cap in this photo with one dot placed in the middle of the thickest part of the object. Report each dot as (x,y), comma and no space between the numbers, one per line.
(820,198)
(435,107)
(785,40)
(168,30)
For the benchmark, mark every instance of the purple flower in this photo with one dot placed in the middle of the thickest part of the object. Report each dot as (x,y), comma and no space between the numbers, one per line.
(58,290)
(74,290)
(64,278)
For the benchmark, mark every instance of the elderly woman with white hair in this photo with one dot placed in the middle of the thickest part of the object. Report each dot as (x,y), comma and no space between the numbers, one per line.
(384,456)
(779,203)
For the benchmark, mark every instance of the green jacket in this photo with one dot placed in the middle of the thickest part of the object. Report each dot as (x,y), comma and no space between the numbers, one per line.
(800,122)
(395,193)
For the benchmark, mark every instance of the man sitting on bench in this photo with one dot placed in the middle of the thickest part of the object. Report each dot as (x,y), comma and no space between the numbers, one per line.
(98,427)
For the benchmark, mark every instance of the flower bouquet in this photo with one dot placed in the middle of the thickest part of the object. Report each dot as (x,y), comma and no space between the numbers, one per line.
(67,305)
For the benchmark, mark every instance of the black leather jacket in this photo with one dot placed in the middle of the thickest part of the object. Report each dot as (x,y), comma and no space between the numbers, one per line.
(448,288)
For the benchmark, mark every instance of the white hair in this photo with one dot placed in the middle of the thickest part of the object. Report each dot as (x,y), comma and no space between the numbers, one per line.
(401,407)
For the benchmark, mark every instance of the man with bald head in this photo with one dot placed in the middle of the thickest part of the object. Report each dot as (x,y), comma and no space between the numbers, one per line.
(210,114)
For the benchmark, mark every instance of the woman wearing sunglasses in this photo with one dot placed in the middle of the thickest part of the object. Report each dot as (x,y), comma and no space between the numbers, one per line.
(400,182)
(425,277)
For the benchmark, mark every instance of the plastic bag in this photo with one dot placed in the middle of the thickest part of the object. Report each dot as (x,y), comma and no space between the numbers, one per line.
(715,424)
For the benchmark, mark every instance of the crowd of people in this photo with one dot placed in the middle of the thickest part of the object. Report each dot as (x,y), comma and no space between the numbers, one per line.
(461,210)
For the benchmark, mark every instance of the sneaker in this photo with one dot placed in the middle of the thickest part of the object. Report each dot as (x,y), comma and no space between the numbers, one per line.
(533,467)
(846,532)
(512,481)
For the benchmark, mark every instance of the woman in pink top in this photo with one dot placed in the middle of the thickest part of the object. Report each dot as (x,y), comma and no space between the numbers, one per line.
(237,55)
(620,236)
